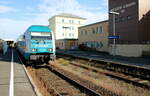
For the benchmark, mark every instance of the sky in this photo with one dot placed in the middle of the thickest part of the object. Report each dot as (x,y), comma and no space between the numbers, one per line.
(17,15)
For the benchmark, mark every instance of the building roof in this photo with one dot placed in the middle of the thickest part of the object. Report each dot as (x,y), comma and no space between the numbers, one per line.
(94,23)
(68,15)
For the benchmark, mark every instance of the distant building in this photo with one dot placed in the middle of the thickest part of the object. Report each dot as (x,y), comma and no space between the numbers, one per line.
(65,26)
(95,36)
(132,25)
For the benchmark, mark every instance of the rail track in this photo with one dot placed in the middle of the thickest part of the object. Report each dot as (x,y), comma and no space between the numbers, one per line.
(134,79)
(129,69)
(58,84)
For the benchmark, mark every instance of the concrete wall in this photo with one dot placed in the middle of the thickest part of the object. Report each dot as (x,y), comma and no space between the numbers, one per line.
(134,50)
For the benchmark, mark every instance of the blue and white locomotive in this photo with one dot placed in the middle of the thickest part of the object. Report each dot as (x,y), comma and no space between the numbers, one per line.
(37,44)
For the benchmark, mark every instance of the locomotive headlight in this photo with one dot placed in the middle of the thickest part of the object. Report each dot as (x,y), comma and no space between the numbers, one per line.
(33,49)
(50,49)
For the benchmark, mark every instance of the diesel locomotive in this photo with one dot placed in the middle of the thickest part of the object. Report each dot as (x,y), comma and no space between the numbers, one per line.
(37,44)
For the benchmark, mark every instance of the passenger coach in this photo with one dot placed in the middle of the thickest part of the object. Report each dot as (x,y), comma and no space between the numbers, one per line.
(37,44)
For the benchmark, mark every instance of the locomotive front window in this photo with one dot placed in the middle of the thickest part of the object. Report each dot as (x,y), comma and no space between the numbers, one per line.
(41,36)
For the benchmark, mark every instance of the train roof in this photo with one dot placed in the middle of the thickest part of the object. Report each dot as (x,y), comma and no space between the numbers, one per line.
(38,28)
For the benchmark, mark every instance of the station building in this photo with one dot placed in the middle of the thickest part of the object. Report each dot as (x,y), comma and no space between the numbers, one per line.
(65,28)
(132,24)
(95,36)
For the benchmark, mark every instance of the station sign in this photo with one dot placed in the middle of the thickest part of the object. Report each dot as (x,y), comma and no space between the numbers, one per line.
(113,37)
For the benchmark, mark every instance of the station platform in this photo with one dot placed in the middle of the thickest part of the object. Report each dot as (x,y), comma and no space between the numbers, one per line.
(19,85)
(134,61)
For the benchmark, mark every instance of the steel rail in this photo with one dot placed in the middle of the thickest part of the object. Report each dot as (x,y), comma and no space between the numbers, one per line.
(83,88)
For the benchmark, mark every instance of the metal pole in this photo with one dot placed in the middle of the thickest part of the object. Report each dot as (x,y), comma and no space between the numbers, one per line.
(114,33)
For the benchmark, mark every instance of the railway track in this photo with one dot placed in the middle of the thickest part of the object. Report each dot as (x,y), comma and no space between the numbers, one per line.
(144,83)
(129,69)
(57,84)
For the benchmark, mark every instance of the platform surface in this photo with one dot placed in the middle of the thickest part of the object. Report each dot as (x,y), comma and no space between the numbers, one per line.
(22,86)
(136,61)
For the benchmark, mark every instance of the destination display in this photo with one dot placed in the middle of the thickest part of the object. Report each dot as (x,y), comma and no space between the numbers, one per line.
(40,33)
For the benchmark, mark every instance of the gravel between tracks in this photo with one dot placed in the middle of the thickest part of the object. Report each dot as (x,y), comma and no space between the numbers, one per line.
(83,81)
(52,82)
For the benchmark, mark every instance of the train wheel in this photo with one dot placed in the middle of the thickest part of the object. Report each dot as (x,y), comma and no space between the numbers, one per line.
(46,59)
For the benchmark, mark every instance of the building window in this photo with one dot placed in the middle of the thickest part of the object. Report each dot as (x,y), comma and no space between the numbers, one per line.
(69,21)
(96,29)
(72,21)
(129,17)
(81,32)
(72,28)
(79,22)
(85,32)
(62,20)
(69,34)
(116,20)
(100,30)
(63,34)
(93,30)
(62,44)
(121,19)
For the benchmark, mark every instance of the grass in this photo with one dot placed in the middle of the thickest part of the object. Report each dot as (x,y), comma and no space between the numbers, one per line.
(63,61)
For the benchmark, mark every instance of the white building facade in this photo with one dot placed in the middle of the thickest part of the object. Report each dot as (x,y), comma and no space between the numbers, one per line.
(65,26)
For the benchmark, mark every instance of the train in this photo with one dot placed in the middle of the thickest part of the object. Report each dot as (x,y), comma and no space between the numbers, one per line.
(37,44)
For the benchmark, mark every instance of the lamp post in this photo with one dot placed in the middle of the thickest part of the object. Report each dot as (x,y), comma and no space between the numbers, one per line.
(114,26)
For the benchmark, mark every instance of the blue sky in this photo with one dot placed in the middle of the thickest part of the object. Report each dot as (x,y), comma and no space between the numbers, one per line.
(17,15)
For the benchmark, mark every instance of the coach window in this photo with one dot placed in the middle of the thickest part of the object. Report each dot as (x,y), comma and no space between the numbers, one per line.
(23,36)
